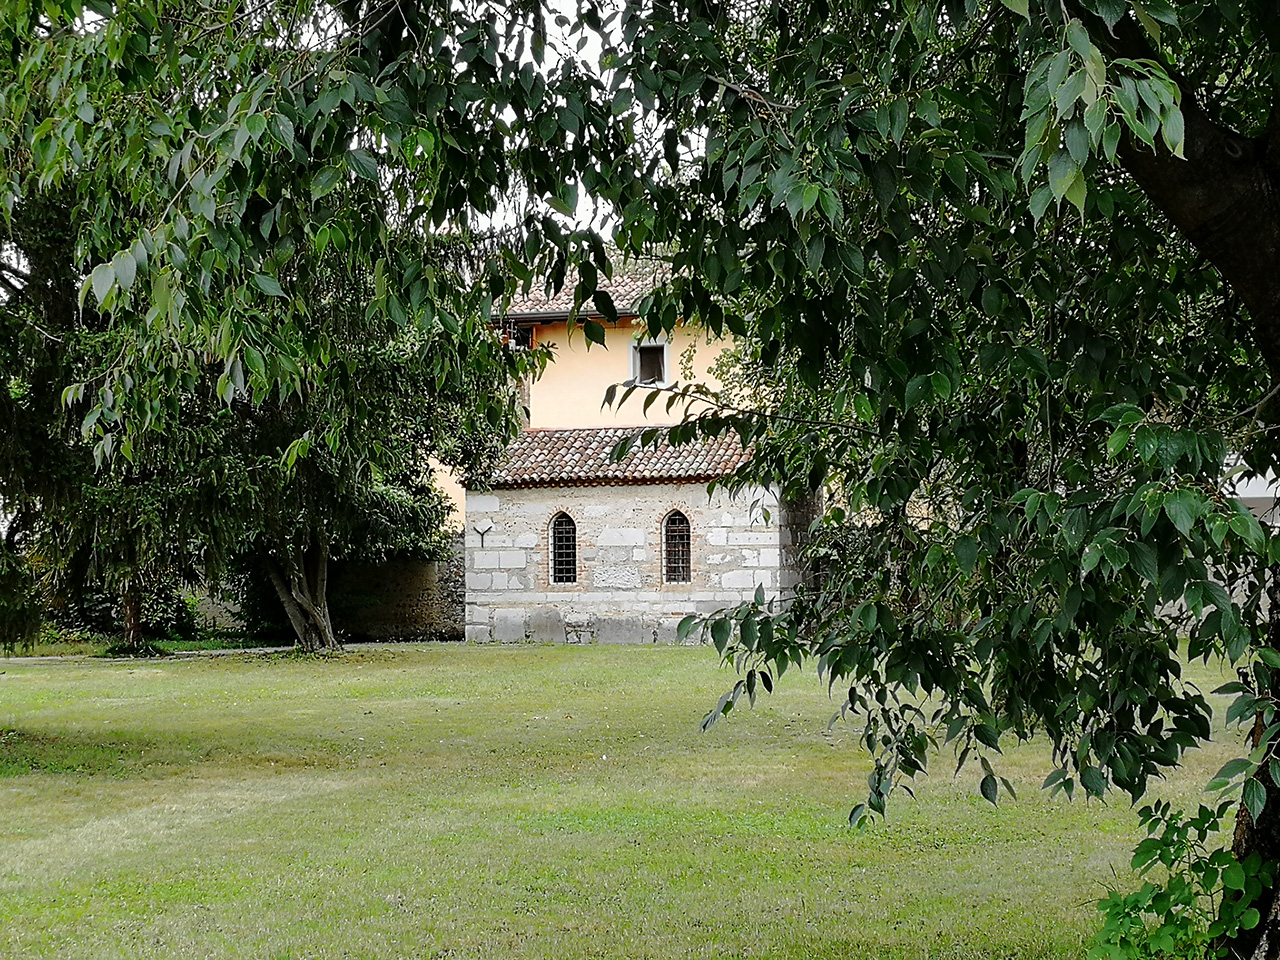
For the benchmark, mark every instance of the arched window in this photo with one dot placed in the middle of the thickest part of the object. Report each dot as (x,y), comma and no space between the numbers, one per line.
(676,564)
(564,549)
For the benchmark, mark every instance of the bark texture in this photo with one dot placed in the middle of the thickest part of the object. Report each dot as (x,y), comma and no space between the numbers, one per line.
(131,615)
(1224,198)
(302,583)
(1223,195)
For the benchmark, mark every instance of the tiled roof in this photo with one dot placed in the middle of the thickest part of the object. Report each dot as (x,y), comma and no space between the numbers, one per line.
(580,457)
(630,283)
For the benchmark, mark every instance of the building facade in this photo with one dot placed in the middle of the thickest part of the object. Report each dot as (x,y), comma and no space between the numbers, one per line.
(565,545)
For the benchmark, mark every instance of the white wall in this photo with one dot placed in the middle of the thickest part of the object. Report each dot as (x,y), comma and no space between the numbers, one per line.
(619,596)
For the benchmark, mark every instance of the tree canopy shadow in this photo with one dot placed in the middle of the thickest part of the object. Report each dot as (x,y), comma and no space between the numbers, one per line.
(116,754)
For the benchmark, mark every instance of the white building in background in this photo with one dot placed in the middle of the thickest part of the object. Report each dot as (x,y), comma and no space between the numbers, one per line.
(1259,494)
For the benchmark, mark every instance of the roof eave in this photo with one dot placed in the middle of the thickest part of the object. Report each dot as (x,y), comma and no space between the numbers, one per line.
(559,316)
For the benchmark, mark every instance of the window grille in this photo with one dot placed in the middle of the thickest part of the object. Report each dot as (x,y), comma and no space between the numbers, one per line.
(564,549)
(677,566)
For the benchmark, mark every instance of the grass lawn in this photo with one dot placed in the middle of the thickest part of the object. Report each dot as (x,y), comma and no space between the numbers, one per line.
(491,802)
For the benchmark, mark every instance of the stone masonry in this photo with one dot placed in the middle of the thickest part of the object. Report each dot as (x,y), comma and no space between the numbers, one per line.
(619,596)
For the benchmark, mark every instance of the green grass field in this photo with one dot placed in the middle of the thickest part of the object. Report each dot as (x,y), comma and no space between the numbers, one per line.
(488,802)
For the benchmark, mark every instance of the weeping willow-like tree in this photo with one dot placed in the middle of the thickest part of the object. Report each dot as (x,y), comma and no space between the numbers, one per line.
(1007,278)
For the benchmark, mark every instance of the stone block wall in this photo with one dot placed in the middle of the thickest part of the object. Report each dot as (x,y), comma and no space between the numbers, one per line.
(401,599)
(620,596)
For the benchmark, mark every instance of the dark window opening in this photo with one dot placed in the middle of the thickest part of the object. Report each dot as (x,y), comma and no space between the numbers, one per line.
(564,549)
(652,367)
(519,337)
(677,566)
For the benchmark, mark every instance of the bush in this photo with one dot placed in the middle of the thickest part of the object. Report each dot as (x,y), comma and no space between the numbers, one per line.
(168,613)
(1205,896)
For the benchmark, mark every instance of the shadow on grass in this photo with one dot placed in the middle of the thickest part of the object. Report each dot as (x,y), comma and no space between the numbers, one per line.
(117,755)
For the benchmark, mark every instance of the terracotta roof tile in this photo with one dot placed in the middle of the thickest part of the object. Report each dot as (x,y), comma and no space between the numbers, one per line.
(630,283)
(580,457)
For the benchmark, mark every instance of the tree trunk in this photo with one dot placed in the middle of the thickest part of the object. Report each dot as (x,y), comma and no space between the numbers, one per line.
(131,616)
(1224,197)
(302,586)
(1261,836)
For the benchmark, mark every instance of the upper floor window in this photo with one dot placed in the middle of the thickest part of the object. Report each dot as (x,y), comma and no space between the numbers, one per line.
(649,362)
(677,566)
(564,549)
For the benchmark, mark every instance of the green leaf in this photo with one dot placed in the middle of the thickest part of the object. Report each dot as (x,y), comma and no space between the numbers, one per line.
(1118,440)
(941,384)
(1255,796)
(126,269)
(1246,526)
(1230,770)
(1063,171)
(1147,21)
(1077,193)
(918,390)
(1143,561)
(268,285)
(966,553)
(1094,783)
(1111,11)
(282,129)
(362,164)
(324,181)
(884,184)
(993,300)
(989,788)
(1233,877)
(103,276)
(1020,7)
(1182,507)
(1174,132)
(1078,39)
(721,629)
(1111,141)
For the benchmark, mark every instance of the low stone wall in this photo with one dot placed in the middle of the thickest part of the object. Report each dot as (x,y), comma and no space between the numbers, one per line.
(401,599)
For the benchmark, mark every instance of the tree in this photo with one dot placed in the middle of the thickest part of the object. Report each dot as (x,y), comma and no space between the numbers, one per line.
(339,472)
(1010,269)
(331,395)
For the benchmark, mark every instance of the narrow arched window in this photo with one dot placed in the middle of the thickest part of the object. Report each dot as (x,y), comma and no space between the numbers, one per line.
(564,549)
(676,564)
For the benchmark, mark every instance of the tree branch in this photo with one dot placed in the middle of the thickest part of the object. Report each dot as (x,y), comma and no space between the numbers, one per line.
(1222,197)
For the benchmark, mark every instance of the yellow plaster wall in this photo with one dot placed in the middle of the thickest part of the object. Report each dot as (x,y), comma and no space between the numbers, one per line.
(452,488)
(570,392)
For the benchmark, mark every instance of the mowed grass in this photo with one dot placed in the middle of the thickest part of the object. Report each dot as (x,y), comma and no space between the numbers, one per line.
(491,802)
